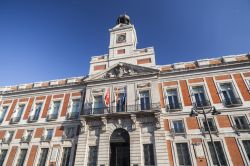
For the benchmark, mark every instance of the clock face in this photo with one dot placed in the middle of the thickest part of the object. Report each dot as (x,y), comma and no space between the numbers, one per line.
(121,38)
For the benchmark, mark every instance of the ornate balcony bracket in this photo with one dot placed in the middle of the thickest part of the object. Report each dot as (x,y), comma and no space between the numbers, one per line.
(104,124)
(83,126)
(157,120)
(133,121)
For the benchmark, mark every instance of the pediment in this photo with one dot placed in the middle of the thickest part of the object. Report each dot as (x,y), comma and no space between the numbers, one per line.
(122,70)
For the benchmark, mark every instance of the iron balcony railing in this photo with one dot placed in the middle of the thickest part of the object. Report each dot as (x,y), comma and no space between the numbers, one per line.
(32,118)
(46,138)
(72,115)
(14,120)
(51,117)
(241,128)
(232,102)
(120,109)
(174,107)
(201,104)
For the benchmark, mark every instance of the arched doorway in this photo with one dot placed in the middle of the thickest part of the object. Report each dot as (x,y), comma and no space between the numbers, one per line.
(119,148)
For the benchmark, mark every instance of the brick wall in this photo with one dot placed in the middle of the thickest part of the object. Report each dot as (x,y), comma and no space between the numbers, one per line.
(46,106)
(242,86)
(11,156)
(12,108)
(212,90)
(234,151)
(32,155)
(29,107)
(192,123)
(38,133)
(143,61)
(223,121)
(170,153)
(65,105)
(162,102)
(59,131)
(185,93)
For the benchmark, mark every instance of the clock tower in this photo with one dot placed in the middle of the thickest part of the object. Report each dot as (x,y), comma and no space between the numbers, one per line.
(123,38)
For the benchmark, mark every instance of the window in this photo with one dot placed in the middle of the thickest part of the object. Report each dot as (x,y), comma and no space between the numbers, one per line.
(98,105)
(48,135)
(38,108)
(211,124)
(3,112)
(144,100)
(69,132)
(183,154)
(92,156)
(43,157)
(246,144)
(8,137)
(75,105)
(56,107)
(229,94)
(241,123)
(173,101)
(66,156)
(178,126)
(121,102)
(219,151)
(27,136)
(2,156)
(18,113)
(148,155)
(21,158)
(199,96)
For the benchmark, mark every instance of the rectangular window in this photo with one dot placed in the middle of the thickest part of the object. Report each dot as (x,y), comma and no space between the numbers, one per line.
(200,96)
(211,124)
(48,135)
(20,110)
(38,108)
(66,156)
(246,144)
(173,101)
(56,107)
(92,156)
(144,100)
(75,105)
(178,126)
(27,136)
(2,156)
(228,94)
(17,113)
(183,154)
(120,103)
(70,132)
(3,112)
(219,151)
(241,123)
(21,158)
(98,105)
(8,137)
(148,155)
(43,157)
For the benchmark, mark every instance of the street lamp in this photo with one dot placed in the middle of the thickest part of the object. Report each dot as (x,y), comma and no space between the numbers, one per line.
(195,111)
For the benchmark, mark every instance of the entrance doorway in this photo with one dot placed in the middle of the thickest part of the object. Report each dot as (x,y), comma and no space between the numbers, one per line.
(119,148)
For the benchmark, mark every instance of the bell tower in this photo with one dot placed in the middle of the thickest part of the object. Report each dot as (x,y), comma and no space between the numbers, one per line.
(123,38)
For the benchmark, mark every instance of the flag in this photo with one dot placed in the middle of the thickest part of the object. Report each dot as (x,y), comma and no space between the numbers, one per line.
(107,97)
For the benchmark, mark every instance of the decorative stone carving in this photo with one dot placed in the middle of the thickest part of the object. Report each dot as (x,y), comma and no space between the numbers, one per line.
(120,71)
(104,124)
(133,120)
(157,120)
(83,126)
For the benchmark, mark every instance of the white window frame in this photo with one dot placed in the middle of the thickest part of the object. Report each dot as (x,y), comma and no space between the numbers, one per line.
(15,112)
(215,123)
(235,90)
(33,110)
(226,153)
(139,95)
(236,115)
(242,150)
(191,92)
(6,113)
(51,108)
(39,152)
(184,126)
(176,159)
(165,95)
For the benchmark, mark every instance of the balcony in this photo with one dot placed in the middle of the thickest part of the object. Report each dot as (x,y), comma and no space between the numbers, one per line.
(72,115)
(174,107)
(32,118)
(51,117)
(26,139)
(123,109)
(232,102)
(178,132)
(202,104)
(46,138)
(15,120)
(213,130)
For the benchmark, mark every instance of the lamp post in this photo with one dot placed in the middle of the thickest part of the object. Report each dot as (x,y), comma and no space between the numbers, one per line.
(195,111)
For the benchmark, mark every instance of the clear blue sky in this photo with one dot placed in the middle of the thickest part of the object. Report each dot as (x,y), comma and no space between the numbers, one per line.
(50,39)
